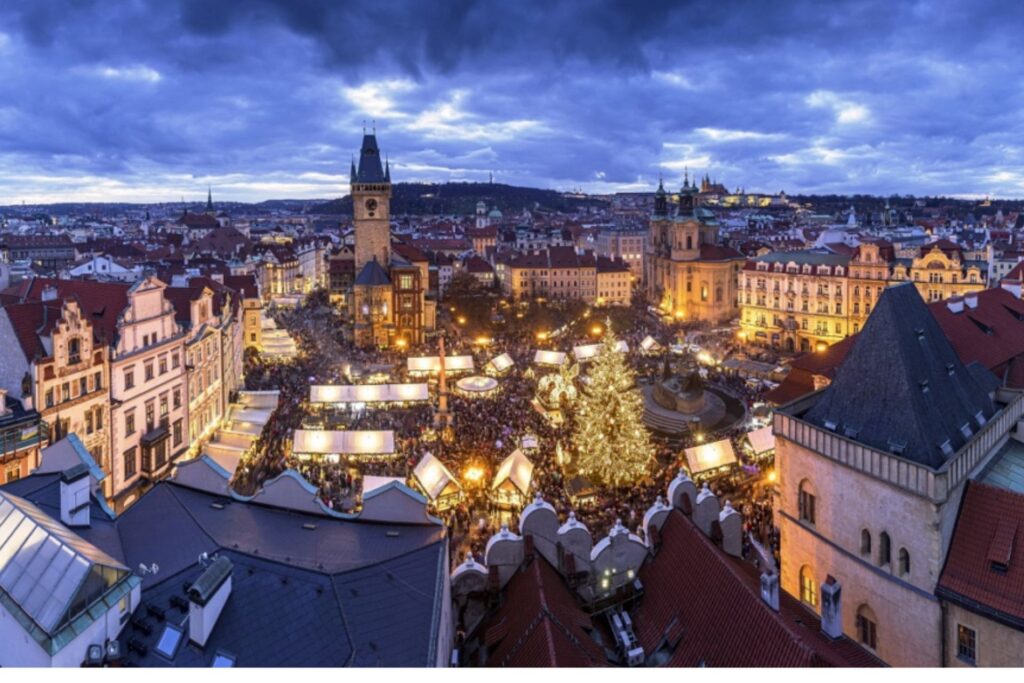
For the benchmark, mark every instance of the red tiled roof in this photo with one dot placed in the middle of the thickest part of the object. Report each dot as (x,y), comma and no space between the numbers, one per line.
(540,624)
(476,264)
(989,528)
(609,265)
(1017,273)
(245,284)
(716,252)
(711,603)
(28,321)
(101,301)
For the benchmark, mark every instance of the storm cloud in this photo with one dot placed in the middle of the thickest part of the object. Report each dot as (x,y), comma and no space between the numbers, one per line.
(150,100)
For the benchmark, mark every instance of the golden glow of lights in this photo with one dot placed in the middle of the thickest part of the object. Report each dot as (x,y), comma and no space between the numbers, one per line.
(700,438)
(680,315)
(596,330)
(462,320)
(742,334)
(541,336)
(474,473)
(401,343)
(483,341)
(821,346)
(772,476)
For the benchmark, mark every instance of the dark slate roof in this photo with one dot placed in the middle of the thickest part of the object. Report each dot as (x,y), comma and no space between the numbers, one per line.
(902,388)
(372,275)
(370,168)
(345,593)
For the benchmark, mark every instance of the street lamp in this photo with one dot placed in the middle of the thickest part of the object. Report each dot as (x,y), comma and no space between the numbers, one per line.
(595,330)
(462,320)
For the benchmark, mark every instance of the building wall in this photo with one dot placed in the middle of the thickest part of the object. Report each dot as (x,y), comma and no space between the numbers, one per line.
(995,643)
(372,222)
(614,288)
(847,501)
(148,315)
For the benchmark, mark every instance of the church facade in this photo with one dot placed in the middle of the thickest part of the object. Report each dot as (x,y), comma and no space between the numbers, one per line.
(388,305)
(687,273)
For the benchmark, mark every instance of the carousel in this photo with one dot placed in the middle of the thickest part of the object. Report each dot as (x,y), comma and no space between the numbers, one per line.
(556,391)
(476,386)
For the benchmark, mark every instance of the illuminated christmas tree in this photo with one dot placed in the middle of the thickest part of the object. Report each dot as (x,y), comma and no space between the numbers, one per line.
(611,443)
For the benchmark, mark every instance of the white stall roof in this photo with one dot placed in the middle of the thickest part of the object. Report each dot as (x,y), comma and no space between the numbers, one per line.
(762,440)
(502,363)
(649,344)
(708,456)
(548,357)
(44,567)
(322,442)
(373,482)
(516,470)
(367,393)
(428,364)
(477,384)
(434,477)
(588,351)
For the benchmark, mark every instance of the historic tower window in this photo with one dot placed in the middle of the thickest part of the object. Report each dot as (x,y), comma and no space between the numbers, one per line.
(884,549)
(808,588)
(865,543)
(867,627)
(74,351)
(805,502)
(904,562)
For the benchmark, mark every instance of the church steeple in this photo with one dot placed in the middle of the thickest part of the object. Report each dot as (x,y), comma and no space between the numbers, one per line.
(209,199)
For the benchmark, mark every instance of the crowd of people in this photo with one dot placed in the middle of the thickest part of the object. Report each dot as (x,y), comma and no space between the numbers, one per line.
(482,432)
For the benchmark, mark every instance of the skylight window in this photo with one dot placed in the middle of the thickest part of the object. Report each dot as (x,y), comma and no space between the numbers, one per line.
(223,660)
(170,638)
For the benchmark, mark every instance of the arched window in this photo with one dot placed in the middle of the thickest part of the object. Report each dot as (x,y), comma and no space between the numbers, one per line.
(805,502)
(808,587)
(865,542)
(884,549)
(904,558)
(867,627)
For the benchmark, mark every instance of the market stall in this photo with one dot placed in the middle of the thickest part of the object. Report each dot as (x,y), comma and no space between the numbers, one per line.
(511,486)
(436,482)
(710,459)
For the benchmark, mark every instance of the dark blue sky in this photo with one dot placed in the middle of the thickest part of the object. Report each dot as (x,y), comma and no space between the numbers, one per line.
(149,100)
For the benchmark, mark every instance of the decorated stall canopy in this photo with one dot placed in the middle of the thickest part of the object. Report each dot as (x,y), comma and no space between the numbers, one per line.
(434,478)
(649,345)
(367,393)
(502,363)
(476,385)
(710,456)
(324,442)
(552,358)
(585,352)
(514,474)
(762,440)
(425,365)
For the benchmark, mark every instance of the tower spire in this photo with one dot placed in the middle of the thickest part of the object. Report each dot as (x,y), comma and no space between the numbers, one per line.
(209,198)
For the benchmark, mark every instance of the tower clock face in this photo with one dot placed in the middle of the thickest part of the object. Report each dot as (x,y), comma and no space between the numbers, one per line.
(371,206)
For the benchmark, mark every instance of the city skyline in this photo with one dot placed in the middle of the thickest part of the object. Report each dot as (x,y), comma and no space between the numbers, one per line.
(160,100)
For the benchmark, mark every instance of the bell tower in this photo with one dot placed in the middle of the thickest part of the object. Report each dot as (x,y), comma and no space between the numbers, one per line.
(371,205)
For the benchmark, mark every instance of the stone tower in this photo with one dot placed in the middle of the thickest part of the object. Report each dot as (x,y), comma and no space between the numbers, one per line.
(371,205)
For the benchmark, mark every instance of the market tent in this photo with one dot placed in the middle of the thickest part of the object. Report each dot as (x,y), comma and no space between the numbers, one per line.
(323,442)
(502,363)
(649,345)
(555,358)
(514,473)
(585,352)
(367,393)
(710,456)
(434,478)
(762,440)
(373,482)
(423,365)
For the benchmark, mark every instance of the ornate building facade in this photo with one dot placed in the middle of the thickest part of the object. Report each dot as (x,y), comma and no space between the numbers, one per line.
(687,273)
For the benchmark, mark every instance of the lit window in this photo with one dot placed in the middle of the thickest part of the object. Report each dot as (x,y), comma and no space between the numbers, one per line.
(966,643)
(223,660)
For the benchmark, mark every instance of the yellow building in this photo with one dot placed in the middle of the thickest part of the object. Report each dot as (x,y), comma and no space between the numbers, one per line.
(802,301)
(688,274)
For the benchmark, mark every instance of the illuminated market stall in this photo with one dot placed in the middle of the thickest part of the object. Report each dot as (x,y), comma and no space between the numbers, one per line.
(501,364)
(710,459)
(357,395)
(762,442)
(437,483)
(649,345)
(587,352)
(332,445)
(431,365)
(551,359)
(476,386)
(511,486)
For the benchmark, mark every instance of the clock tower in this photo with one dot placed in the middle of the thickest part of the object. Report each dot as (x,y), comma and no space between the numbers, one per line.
(371,206)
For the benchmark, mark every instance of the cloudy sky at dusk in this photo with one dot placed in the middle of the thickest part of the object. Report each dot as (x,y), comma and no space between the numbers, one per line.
(150,100)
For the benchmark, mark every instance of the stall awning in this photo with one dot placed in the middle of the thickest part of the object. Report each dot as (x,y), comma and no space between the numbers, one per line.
(710,456)
(367,393)
(649,344)
(762,440)
(585,352)
(555,358)
(434,478)
(516,470)
(432,364)
(323,442)
(372,482)
(502,363)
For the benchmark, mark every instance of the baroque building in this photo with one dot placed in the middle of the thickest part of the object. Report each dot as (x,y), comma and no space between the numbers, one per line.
(688,274)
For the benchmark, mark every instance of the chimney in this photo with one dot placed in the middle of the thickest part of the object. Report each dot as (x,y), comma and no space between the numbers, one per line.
(3,402)
(831,608)
(770,590)
(955,304)
(206,599)
(49,293)
(74,496)
(971,300)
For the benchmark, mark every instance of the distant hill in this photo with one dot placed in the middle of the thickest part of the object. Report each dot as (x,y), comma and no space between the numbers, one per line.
(461,198)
